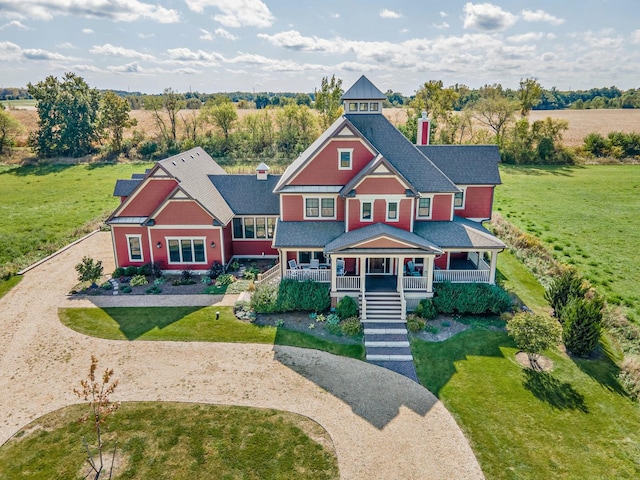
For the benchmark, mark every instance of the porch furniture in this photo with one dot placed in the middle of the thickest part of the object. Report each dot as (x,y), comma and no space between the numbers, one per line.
(340,271)
(411,269)
(314,264)
(293,265)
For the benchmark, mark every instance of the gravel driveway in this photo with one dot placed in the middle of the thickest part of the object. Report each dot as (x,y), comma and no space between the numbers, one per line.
(383,425)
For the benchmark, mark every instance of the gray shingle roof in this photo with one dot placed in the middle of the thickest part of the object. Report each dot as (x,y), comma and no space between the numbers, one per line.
(306,234)
(466,164)
(124,188)
(461,233)
(401,153)
(374,231)
(363,89)
(192,168)
(246,195)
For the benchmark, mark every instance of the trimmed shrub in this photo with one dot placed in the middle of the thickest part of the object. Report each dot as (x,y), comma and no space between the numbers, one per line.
(155,290)
(566,286)
(216,270)
(351,326)
(415,324)
(347,307)
(264,298)
(471,298)
(118,272)
(306,296)
(144,269)
(130,271)
(106,286)
(333,324)
(582,324)
(426,309)
(138,280)
(125,289)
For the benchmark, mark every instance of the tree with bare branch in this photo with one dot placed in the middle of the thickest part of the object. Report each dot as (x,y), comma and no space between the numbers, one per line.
(98,392)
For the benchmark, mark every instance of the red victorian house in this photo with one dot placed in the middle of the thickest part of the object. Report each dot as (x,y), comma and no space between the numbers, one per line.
(362,209)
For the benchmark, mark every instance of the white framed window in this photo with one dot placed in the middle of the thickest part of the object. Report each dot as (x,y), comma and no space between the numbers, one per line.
(134,246)
(392,211)
(345,156)
(187,250)
(253,228)
(458,199)
(364,107)
(353,107)
(319,207)
(374,106)
(424,207)
(366,211)
(304,257)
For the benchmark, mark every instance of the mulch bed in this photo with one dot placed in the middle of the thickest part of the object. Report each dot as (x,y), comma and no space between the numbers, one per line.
(300,321)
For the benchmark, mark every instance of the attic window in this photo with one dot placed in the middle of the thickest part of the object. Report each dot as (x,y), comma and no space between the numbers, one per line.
(364,107)
(344,158)
(373,107)
(353,107)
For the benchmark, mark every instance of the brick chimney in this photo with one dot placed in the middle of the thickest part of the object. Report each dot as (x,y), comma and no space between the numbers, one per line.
(424,125)
(262,171)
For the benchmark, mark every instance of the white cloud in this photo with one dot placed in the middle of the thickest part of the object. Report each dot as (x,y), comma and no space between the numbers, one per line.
(146,35)
(85,68)
(335,15)
(116,10)
(188,55)
(441,26)
(67,45)
(236,13)
(222,33)
(541,16)
(40,54)
(488,17)
(444,14)
(635,36)
(9,51)
(293,40)
(87,31)
(607,38)
(386,13)
(205,35)
(15,24)
(526,37)
(128,68)
(113,51)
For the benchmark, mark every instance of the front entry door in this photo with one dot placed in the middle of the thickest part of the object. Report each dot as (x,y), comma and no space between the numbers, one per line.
(379,266)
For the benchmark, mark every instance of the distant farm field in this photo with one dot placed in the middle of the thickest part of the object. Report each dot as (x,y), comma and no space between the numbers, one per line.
(581,122)
(587,215)
(44,207)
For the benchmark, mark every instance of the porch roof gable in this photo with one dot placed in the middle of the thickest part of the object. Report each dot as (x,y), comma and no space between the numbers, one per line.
(355,238)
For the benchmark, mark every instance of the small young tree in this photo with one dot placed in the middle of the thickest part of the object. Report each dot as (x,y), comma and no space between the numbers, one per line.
(534,333)
(582,324)
(89,270)
(97,392)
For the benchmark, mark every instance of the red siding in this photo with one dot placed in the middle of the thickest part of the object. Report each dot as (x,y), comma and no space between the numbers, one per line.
(211,254)
(478,203)
(227,233)
(441,262)
(323,169)
(183,212)
(255,248)
(149,198)
(293,208)
(380,186)
(380,214)
(441,207)
(122,249)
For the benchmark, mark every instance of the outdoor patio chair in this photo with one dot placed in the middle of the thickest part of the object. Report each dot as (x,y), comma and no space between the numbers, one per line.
(314,264)
(411,269)
(340,271)
(293,265)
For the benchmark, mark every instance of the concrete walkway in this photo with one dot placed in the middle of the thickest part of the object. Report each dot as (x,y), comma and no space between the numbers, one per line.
(383,425)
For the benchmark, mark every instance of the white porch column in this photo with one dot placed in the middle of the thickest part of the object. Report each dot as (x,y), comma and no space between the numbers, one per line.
(334,287)
(400,267)
(428,270)
(363,277)
(283,263)
(492,267)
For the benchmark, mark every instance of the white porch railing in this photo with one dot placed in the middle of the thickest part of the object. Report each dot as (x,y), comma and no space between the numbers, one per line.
(348,283)
(271,275)
(461,276)
(414,283)
(319,275)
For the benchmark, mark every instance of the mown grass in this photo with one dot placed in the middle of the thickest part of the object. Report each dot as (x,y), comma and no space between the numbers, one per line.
(46,206)
(515,278)
(6,285)
(177,441)
(190,324)
(587,215)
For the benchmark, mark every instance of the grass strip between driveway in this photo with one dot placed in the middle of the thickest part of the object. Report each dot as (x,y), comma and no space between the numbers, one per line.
(190,324)
(6,285)
(175,440)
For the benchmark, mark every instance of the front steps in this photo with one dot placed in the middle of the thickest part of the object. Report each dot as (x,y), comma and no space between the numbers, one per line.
(383,307)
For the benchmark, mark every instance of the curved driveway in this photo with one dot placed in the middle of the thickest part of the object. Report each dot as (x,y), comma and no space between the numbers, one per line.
(383,425)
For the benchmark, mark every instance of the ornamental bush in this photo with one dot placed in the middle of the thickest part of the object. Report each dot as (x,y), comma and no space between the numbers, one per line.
(351,326)
(471,298)
(138,280)
(534,333)
(347,307)
(566,286)
(415,324)
(306,296)
(264,298)
(426,309)
(89,270)
(582,324)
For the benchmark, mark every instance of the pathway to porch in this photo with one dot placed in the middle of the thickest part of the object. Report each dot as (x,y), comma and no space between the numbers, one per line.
(385,333)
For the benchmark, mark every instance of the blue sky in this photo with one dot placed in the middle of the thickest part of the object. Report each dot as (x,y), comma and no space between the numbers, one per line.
(278,45)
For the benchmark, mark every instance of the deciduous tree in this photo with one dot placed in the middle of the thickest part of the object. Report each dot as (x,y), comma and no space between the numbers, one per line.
(169,104)
(10,128)
(114,118)
(534,333)
(329,100)
(529,95)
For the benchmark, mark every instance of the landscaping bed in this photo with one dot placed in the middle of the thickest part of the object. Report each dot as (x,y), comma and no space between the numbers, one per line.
(301,322)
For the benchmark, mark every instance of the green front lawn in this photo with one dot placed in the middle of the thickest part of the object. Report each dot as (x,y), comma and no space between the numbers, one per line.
(515,278)
(176,441)
(190,324)
(6,285)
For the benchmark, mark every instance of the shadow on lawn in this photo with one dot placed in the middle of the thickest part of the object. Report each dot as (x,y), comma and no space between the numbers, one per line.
(52,168)
(374,394)
(602,369)
(558,170)
(135,322)
(544,386)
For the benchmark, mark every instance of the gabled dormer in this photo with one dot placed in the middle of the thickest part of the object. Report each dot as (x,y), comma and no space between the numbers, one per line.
(363,97)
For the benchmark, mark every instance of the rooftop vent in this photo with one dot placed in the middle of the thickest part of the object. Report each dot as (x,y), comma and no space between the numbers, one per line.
(262,171)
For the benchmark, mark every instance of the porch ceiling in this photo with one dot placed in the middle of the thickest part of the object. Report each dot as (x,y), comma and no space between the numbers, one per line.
(349,241)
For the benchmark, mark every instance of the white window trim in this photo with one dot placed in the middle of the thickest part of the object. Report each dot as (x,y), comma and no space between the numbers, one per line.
(362,202)
(139,237)
(319,198)
(255,228)
(397,219)
(350,152)
(464,198)
(430,197)
(179,239)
